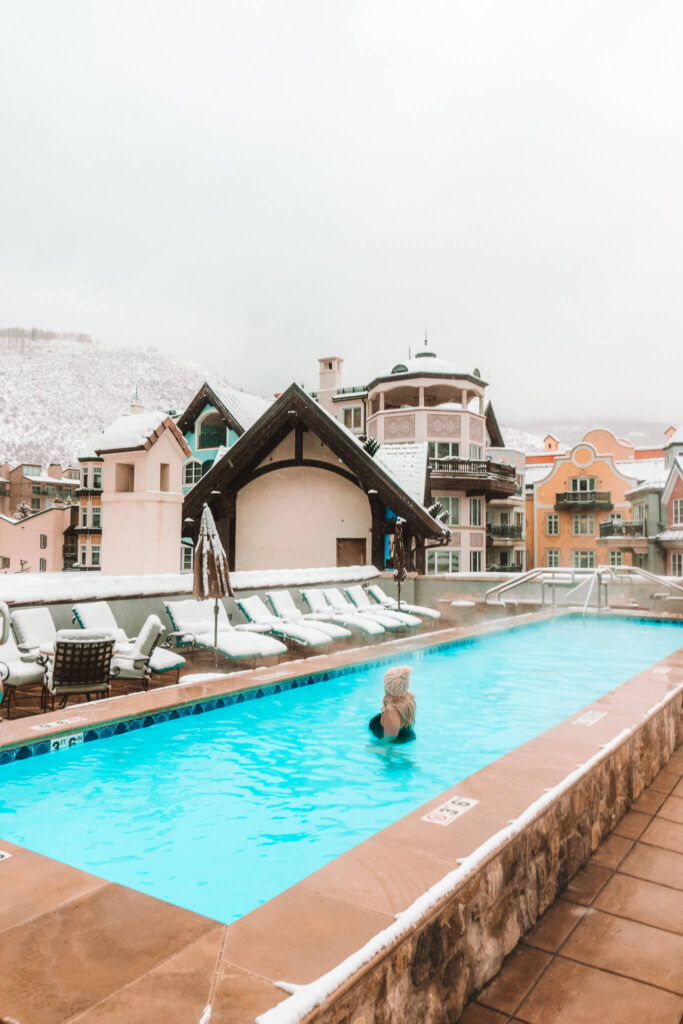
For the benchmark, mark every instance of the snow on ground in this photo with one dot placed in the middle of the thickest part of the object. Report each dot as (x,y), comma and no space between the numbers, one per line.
(51,587)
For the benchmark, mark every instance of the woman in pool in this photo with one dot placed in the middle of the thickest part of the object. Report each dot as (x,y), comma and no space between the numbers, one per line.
(398,708)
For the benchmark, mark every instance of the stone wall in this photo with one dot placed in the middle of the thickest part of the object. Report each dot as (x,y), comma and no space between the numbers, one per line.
(428,975)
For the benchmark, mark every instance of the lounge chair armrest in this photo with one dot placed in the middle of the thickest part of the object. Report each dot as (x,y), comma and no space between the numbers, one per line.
(254,627)
(29,658)
(182,636)
(4,671)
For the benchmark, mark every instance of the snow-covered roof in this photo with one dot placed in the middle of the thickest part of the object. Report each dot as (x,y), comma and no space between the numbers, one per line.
(407,464)
(245,407)
(45,478)
(426,361)
(129,431)
(676,438)
(642,470)
(51,587)
(534,473)
(671,535)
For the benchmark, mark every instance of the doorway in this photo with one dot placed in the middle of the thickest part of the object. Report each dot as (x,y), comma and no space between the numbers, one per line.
(351,551)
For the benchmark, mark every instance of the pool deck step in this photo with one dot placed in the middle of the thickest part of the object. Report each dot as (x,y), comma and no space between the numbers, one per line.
(610,949)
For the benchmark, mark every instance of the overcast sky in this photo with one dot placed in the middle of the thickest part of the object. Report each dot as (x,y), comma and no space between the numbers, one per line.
(255,184)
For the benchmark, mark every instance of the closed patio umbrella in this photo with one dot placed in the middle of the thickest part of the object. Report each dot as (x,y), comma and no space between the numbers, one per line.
(211,570)
(400,572)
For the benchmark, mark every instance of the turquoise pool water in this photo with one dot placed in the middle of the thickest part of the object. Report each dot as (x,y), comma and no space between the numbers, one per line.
(220,812)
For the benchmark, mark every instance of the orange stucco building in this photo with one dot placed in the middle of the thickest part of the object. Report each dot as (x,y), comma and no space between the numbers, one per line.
(577,511)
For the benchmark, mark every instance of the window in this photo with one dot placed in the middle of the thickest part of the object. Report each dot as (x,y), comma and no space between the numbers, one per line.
(583,524)
(639,513)
(678,512)
(96,517)
(97,477)
(212,432)
(443,561)
(42,565)
(186,558)
(475,512)
(583,559)
(583,483)
(552,558)
(677,563)
(616,558)
(125,477)
(475,452)
(43,540)
(85,476)
(443,449)
(84,516)
(35,504)
(192,472)
(4,562)
(35,489)
(452,506)
(31,470)
(552,524)
(95,555)
(83,554)
(353,417)
(475,561)
(164,475)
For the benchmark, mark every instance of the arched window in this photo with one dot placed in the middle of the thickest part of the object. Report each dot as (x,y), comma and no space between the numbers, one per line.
(192,472)
(212,432)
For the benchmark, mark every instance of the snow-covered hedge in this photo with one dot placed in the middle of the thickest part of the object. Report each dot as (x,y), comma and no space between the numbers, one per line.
(50,588)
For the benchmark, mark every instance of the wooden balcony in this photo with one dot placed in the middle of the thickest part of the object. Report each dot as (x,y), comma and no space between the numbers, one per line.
(474,476)
(579,501)
(622,528)
(509,531)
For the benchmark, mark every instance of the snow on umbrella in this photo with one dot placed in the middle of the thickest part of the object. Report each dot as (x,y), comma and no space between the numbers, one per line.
(400,572)
(211,571)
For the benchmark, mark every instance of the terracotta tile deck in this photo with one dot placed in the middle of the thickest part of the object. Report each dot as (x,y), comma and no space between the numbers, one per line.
(75,949)
(610,950)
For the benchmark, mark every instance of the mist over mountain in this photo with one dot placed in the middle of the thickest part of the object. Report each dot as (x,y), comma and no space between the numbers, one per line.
(56,390)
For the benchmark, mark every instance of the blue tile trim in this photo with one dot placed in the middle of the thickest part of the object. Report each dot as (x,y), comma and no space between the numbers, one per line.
(100,732)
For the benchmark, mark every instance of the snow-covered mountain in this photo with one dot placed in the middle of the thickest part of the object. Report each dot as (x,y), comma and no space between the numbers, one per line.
(58,390)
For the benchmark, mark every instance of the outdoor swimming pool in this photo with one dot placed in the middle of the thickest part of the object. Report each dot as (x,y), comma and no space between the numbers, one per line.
(220,812)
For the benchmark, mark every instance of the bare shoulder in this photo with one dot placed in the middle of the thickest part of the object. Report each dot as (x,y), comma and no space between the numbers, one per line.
(391,722)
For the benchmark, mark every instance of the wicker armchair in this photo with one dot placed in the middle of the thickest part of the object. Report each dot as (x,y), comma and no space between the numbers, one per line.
(81,664)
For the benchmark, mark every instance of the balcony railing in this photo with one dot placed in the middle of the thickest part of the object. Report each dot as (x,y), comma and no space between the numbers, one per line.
(503,568)
(623,528)
(583,499)
(506,532)
(475,476)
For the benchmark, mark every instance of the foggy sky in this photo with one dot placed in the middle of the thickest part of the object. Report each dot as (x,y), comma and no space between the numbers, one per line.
(255,184)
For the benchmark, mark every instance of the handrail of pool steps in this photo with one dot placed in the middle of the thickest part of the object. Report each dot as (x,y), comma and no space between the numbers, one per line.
(575,578)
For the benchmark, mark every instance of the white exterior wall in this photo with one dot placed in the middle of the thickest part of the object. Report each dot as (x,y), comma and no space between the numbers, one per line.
(291,518)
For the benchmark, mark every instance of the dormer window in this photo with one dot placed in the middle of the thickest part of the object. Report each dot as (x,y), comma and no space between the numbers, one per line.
(400,368)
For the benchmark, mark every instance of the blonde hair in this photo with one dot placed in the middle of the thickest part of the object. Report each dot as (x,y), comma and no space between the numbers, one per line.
(404,706)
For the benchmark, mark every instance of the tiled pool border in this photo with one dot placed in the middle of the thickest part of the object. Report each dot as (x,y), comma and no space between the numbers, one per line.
(120,725)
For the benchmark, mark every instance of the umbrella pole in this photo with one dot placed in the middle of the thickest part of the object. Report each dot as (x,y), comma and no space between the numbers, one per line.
(215,632)
(399,595)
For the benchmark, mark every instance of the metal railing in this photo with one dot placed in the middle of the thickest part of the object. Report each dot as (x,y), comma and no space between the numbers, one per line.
(623,528)
(471,467)
(569,583)
(510,531)
(576,499)
(503,568)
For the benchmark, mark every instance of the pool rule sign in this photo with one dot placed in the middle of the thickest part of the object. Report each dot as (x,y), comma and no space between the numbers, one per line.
(446,813)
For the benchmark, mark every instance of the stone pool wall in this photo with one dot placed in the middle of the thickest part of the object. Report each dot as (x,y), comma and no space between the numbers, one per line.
(428,975)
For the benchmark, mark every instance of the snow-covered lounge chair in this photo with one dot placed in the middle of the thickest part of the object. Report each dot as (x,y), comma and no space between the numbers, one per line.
(16,669)
(98,615)
(258,615)
(193,623)
(336,600)
(282,603)
(315,599)
(362,602)
(33,628)
(134,661)
(376,592)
